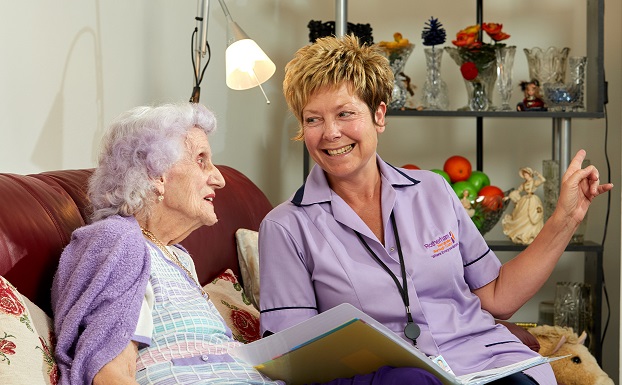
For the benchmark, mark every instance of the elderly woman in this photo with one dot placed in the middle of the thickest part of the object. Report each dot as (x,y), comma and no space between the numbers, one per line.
(396,243)
(128,308)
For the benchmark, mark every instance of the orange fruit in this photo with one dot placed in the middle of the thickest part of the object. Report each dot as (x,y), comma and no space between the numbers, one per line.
(411,167)
(458,168)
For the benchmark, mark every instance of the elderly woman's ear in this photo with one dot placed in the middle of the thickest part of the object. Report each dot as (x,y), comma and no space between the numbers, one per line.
(158,187)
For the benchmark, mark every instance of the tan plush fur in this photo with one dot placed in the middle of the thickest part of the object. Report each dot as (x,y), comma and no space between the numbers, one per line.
(580,368)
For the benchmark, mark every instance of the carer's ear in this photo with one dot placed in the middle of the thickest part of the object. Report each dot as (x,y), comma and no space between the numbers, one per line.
(379,117)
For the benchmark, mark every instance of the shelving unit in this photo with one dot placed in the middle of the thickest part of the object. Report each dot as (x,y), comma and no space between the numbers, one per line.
(595,93)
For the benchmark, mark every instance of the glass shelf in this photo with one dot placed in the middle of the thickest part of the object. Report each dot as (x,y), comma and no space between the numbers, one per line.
(499,114)
(507,245)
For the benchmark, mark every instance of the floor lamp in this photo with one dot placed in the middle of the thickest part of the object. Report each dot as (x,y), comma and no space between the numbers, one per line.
(246,63)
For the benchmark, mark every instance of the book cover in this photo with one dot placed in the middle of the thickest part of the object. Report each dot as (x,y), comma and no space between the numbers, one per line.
(343,342)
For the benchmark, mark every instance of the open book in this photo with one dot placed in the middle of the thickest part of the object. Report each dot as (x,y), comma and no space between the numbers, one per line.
(343,342)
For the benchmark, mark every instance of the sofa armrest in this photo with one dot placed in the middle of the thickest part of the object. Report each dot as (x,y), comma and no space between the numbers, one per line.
(522,334)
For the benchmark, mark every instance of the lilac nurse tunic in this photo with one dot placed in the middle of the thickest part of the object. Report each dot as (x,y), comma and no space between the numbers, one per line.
(312,260)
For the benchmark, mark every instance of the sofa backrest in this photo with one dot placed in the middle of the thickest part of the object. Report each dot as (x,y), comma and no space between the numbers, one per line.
(39,212)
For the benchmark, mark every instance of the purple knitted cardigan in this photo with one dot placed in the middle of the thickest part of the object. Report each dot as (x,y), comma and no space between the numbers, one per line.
(97,293)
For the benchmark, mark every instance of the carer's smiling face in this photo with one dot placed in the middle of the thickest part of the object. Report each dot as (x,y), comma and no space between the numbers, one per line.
(339,131)
(190,185)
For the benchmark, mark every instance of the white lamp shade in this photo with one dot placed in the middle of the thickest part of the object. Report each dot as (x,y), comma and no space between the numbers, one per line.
(247,65)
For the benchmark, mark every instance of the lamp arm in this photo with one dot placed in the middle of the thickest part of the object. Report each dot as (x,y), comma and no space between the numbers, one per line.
(225,10)
(200,46)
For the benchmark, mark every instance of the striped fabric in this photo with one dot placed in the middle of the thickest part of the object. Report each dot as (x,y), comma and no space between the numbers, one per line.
(190,340)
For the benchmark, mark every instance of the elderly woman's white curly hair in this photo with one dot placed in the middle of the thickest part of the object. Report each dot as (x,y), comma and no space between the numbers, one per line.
(140,146)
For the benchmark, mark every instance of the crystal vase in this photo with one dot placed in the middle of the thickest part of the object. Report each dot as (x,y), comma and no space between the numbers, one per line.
(397,59)
(547,65)
(480,88)
(573,308)
(576,70)
(505,62)
(434,94)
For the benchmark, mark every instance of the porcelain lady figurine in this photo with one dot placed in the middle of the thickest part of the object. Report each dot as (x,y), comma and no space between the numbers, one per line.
(466,203)
(527,218)
(533,100)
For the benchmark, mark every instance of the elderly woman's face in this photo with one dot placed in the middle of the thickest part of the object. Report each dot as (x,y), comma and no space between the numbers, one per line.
(190,185)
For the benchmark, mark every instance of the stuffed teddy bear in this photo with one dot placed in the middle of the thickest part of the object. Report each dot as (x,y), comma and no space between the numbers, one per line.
(580,368)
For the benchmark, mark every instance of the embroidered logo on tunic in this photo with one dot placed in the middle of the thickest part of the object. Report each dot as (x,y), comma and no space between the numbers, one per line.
(442,244)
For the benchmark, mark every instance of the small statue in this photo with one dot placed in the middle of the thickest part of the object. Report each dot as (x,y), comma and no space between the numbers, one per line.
(527,218)
(466,203)
(533,100)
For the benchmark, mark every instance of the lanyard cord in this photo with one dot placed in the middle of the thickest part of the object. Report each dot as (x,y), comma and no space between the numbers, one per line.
(403,288)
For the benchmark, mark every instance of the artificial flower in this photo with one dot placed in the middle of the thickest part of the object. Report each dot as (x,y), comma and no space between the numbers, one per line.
(397,51)
(476,52)
(433,33)
(494,30)
(469,70)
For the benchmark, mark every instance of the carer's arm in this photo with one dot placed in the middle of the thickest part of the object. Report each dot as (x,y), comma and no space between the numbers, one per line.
(522,277)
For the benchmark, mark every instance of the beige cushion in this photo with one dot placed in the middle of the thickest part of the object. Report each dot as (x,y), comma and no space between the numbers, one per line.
(229,298)
(248,258)
(42,322)
(25,357)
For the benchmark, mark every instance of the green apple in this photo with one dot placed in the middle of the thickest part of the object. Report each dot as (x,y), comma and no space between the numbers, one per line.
(479,179)
(442,173)
(462,186)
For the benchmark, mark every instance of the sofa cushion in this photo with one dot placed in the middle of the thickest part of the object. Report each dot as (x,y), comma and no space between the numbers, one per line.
(248,257)
(25,357)
(241,316)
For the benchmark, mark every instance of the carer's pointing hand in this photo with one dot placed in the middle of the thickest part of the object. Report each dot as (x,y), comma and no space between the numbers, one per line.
(579,188)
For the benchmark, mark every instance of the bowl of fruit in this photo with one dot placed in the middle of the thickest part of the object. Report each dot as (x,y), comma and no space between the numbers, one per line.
(485,203)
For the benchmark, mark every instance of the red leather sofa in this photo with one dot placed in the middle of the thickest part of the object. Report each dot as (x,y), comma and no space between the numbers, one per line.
(40,211)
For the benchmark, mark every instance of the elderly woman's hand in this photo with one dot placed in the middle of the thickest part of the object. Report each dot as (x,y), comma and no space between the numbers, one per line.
(579,187)
(121,370)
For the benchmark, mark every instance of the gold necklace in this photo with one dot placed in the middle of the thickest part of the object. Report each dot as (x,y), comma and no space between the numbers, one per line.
(172,256)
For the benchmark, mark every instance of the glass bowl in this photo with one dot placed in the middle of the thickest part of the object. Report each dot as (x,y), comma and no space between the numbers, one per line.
(560,96)
(487,213)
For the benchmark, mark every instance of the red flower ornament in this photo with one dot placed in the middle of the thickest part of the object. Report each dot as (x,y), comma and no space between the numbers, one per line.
(466,40)
(492,28)
(469,71)
(499,36)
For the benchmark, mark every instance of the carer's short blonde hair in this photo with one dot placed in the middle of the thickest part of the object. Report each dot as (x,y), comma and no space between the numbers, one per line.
(331,62)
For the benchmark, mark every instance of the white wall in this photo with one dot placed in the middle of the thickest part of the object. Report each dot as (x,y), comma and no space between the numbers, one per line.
(70,66)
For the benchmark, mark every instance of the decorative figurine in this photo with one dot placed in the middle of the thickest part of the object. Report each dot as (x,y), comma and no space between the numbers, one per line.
(533,100)
(466,203)
(527,218)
